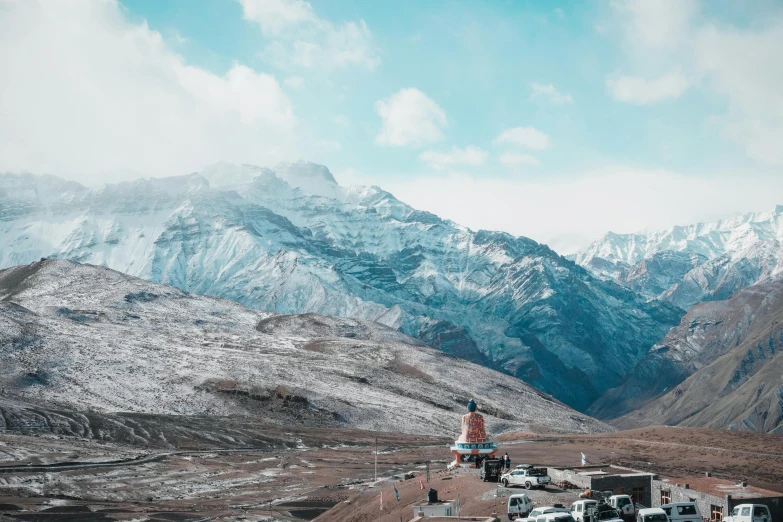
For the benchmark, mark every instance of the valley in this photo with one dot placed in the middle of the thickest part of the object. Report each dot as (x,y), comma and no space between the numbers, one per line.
(329,474)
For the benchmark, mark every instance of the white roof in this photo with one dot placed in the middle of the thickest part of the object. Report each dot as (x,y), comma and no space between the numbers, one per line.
(652,511)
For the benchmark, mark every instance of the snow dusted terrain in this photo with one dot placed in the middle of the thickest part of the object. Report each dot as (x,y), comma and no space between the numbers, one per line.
(83,338)
(689,264)
(293,241)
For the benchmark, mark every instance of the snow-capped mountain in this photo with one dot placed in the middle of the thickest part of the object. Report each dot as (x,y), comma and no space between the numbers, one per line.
(688,264)
(293,241)
(79,338)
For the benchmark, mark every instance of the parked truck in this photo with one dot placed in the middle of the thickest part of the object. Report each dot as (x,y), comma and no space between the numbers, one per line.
(624,505)
(530,477)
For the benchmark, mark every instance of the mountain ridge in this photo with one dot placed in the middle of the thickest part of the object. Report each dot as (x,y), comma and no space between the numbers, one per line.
(722,367)
(506,302)
(77,337)
(725,256)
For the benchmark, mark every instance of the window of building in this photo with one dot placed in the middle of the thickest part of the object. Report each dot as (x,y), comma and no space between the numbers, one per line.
(638,495)
(716,513)
(666,496)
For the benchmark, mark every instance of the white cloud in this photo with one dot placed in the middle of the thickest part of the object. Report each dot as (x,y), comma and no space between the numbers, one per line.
(409,117)
(639,90)
(85,91)
(277,16)
(583,207)
(657,24)
(514,160)
(550,93)
(295,82)
(469,156)
(301,38)
(741,64)
(745,66)
(527,137)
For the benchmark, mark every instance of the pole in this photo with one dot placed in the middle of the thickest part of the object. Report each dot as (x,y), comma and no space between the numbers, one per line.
(376,459)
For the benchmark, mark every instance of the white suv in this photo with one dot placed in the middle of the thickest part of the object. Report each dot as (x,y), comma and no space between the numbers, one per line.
(749,513)
(682,512)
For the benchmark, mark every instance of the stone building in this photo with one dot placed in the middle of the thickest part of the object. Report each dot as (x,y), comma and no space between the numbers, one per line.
(618,479)
(715,497)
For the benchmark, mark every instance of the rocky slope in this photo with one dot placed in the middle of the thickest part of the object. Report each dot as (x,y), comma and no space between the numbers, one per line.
(80,338)
(722,367)
(293,241)
(685,265)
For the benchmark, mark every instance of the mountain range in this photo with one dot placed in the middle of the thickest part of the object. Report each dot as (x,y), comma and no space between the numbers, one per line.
(685,265)
(89,351)
(293,241)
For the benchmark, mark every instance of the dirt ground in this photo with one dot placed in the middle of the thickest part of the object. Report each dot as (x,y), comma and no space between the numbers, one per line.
(329,475)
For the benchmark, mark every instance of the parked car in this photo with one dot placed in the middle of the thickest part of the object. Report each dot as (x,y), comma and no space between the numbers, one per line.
(682,512)
(491,470)
(579,507)
(519,505)
(533,515)
(749,513)
(528,477)
(652,515)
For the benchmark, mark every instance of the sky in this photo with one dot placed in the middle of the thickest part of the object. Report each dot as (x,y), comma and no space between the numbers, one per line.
(556,120)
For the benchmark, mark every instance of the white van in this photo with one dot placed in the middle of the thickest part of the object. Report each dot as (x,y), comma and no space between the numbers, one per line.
(682,512)
(543,511)
(749,513)
(519,506)
(579,507)
(652,515)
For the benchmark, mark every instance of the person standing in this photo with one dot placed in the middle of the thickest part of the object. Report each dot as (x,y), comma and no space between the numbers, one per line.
(507,461)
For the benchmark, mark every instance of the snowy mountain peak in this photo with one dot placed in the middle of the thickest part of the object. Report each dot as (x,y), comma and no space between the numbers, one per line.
(224,174)
(310,177)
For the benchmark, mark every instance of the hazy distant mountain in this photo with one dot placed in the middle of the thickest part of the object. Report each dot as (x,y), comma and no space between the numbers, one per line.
(293,241)
(689,264)
(722,367)
(78,338)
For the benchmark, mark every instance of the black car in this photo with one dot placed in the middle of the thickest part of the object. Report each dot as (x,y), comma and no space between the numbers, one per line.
(491,470)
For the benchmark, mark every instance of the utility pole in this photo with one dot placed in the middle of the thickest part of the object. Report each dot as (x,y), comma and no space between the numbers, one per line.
(428,472)
(376,459)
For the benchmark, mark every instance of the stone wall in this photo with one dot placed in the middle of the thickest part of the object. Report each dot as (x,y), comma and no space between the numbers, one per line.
(681,494)
(561,474)
(624,484)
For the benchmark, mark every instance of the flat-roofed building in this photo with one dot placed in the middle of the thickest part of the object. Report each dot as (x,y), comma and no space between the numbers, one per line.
(715,497)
